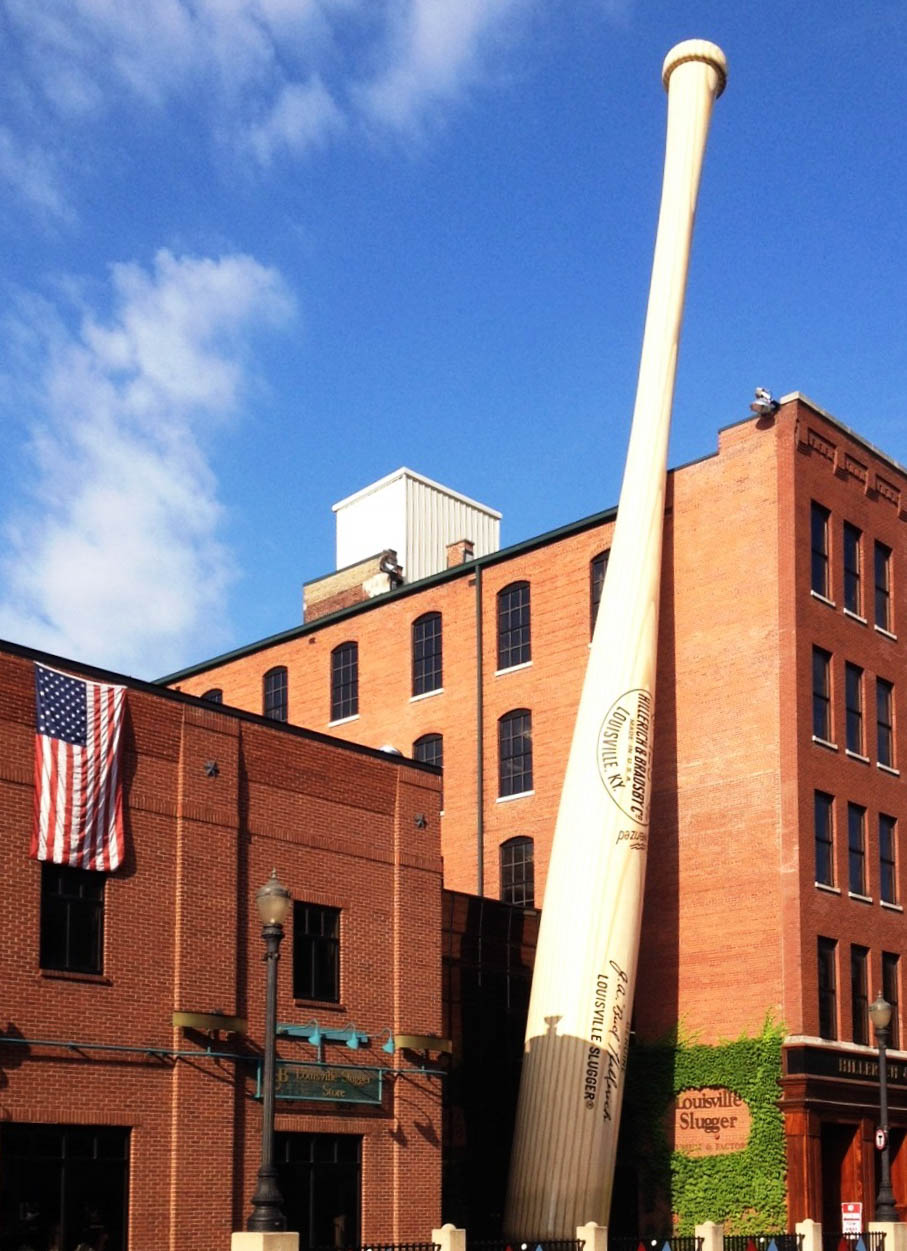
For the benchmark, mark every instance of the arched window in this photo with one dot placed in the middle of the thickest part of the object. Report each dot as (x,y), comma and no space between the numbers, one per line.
(598,567)
(274,702)
(214,696)
(515,752)
(514,644)
(427,653)
(345,681)
(430,750)
(518,872)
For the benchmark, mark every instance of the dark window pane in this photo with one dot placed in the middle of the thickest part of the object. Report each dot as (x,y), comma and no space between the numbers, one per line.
(890,990)
(275,694)
(514,647)
(345,681)
(515,752)
(882,570)
(819,554)
(316,952)
(828,998)
(859,1002)
(823,832)
(853,698)
(214,696)
(888,888)
(430,750)
(821,694)
(598,567)
(427,653)
(72,918)
(856,849)
(852,591)
(885,722)
(518,872)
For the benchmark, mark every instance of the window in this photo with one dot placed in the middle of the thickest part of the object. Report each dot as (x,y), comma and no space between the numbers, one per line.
(274,703)
(316,952)
(518,872)
(320,1179)
(888,882)
(819,556)
(515,752)
(853,599)
(214,696)
(890,963)
(822,694)
(427,653)
(72,918)
(430,750)
(856,849)
(882,570)
(859,1001)
(513,626)
(344,681)
(823,806)
(885,723)
(828,992)
(598,567)
(853,699)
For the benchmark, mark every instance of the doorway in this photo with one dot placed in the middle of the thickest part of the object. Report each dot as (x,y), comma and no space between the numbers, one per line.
(320,1178)
(840,1173)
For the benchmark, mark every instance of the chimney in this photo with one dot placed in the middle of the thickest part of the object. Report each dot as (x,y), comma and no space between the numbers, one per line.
(460,552)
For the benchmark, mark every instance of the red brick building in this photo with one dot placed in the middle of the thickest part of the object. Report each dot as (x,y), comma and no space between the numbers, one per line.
(115,1112)
(776,874)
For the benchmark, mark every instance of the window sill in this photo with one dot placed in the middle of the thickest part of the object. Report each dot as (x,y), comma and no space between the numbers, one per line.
(323,1005)
(852,894)
(854,616)
(823,599)
(895,773)
(892,907)
(414,699)
(886,634)
(526,664)
(855,755)
(824,742)
(832,890)
(343,720)
(505,799)
(70,975)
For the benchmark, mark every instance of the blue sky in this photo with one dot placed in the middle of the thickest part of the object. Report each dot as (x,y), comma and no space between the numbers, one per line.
(259,253)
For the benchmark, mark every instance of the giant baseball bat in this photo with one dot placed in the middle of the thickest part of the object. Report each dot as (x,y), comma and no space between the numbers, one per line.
(562,1167)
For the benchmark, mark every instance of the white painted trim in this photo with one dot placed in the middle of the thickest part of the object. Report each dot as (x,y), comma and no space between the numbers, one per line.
(527,664)
(414,699)
(505,799)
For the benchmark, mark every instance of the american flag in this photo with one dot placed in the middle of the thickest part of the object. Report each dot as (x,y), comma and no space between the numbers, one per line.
(78,800)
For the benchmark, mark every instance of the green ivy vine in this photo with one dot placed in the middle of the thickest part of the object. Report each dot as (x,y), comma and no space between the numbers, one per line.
(744,1189)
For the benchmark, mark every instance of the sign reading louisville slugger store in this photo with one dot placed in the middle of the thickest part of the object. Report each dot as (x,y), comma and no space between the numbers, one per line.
(710,1121)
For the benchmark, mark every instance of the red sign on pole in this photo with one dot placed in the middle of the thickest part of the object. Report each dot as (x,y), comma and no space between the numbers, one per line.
(851,1218)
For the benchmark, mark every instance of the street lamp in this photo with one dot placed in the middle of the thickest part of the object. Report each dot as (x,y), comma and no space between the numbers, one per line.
(273,900)
(880,1014)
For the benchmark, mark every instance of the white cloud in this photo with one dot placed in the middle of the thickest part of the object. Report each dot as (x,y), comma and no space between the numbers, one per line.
(302,116)
(118,558)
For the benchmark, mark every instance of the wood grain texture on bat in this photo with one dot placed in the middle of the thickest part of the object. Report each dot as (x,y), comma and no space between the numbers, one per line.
(565,1140)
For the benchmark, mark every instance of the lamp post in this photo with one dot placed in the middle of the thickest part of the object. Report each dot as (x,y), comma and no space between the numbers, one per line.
(273,900)
(880,1014)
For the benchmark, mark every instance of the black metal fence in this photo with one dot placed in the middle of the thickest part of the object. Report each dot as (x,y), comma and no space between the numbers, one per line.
(853,1242)
(765,1242)
(665,1242)
(524,1244)
(385,1246)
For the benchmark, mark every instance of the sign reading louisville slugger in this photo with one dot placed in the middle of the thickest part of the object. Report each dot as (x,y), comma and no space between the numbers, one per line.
(577,1031)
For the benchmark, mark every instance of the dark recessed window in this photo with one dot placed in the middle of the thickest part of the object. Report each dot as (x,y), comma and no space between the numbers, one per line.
(518,872)
(856,849)
(430,750)
(859,1001)
(823,813)
(515,752)
(882,567)
(885,723)
(214,696)
(598,567)
(316,952)
(853,599)
(427,653)
(514,644)
(274,702)
(890,989)
(853,702)
(888,882)
(822,694)
(344,681)
(828,989)
(72,918)
(818,522)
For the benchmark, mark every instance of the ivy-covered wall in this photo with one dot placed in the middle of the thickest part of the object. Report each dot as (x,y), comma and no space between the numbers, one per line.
(744,1189)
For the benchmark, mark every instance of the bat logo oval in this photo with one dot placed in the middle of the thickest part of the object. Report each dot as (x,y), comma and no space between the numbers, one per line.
(625,755)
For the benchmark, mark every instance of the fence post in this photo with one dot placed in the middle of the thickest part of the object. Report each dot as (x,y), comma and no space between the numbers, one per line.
(449,1238)
(895,1234)
(712,1235)
(811,1232)
(595,1236)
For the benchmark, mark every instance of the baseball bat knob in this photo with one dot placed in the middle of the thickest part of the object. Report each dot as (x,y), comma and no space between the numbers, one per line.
(696,50)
